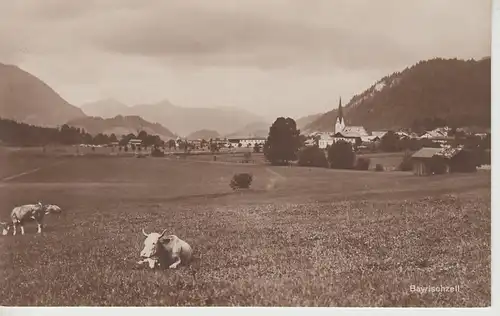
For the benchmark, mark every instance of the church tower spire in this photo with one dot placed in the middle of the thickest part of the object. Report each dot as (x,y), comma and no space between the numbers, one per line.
(340,115)
(339,122)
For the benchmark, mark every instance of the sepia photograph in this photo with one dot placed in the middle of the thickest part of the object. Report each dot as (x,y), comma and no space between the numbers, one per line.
(250,153)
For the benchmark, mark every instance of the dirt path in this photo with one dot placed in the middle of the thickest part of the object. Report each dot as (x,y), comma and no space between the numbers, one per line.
(31,171)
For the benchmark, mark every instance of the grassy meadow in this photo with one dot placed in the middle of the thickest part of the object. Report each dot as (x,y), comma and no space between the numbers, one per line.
(298,237)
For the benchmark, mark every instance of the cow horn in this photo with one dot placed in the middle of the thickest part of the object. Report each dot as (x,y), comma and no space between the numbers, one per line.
(144,233)
(163,232)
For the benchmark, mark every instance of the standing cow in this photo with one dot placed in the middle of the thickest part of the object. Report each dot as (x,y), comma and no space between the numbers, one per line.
(28,212)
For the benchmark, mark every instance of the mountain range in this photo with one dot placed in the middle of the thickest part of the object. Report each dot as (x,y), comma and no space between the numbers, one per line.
(254,129)
(205,134)
(181,120)
(121,125)
(457,91)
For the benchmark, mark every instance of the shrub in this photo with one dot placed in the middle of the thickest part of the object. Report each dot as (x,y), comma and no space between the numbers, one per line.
(379,167)
(312,157)
(406,164)
(341,155)
(241,181)
(362,163)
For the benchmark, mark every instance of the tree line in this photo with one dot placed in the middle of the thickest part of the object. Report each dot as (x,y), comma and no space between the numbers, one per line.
(21,134)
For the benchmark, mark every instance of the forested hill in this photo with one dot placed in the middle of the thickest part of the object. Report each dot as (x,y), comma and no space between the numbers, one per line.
(455,91)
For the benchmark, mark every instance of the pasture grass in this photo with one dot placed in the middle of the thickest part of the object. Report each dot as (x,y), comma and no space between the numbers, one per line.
(298,237)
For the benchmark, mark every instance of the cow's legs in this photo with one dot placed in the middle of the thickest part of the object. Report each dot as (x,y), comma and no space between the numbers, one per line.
(14,230)
(39,226)
(22,229)
(176,263)
(150,262)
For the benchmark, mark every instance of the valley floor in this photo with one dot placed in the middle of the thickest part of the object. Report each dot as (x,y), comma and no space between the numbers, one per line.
(298,237)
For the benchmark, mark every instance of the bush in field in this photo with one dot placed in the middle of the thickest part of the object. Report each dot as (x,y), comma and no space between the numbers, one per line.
(362,163)
(406,163)
(379,167)
(241,181)
(341,155)
(312,157)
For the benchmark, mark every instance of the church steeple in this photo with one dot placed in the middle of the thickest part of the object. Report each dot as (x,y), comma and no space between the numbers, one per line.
(339,122)
(340,115)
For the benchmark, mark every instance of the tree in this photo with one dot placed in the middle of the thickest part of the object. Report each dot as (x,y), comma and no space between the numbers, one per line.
(341,155)
(256,148)
(313,157)
(143,135)
(112,138)
(390,142)
(283,142)
(101,139)
(203,143)
(171,144)
(214,147)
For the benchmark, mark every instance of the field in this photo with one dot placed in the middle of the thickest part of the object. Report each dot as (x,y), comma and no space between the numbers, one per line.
(298,237)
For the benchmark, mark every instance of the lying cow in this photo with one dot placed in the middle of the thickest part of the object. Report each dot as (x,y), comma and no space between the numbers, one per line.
(160,250)
(24,213)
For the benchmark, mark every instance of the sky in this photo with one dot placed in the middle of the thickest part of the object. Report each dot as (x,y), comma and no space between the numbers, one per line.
(271,57)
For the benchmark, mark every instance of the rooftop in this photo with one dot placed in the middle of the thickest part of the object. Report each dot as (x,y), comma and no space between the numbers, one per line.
(426,152)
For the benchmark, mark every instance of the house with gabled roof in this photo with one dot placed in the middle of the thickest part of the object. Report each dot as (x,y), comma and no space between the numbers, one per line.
(427,161)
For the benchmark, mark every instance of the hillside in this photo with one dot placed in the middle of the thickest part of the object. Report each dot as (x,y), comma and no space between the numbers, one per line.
(107,108)
(255,129)
(457,91)
(121,125)
(203,134)
(27,99)
(306,120)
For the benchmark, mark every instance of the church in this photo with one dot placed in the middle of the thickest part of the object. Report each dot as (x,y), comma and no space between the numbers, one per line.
(351,134)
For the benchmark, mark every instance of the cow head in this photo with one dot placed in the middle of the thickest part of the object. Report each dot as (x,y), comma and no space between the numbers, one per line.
(151,244)
(50,208)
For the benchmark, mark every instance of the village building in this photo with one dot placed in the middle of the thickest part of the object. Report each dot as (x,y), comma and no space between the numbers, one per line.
(428,161)
(379,134)
(247,141)
(135,142)
(251,142)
